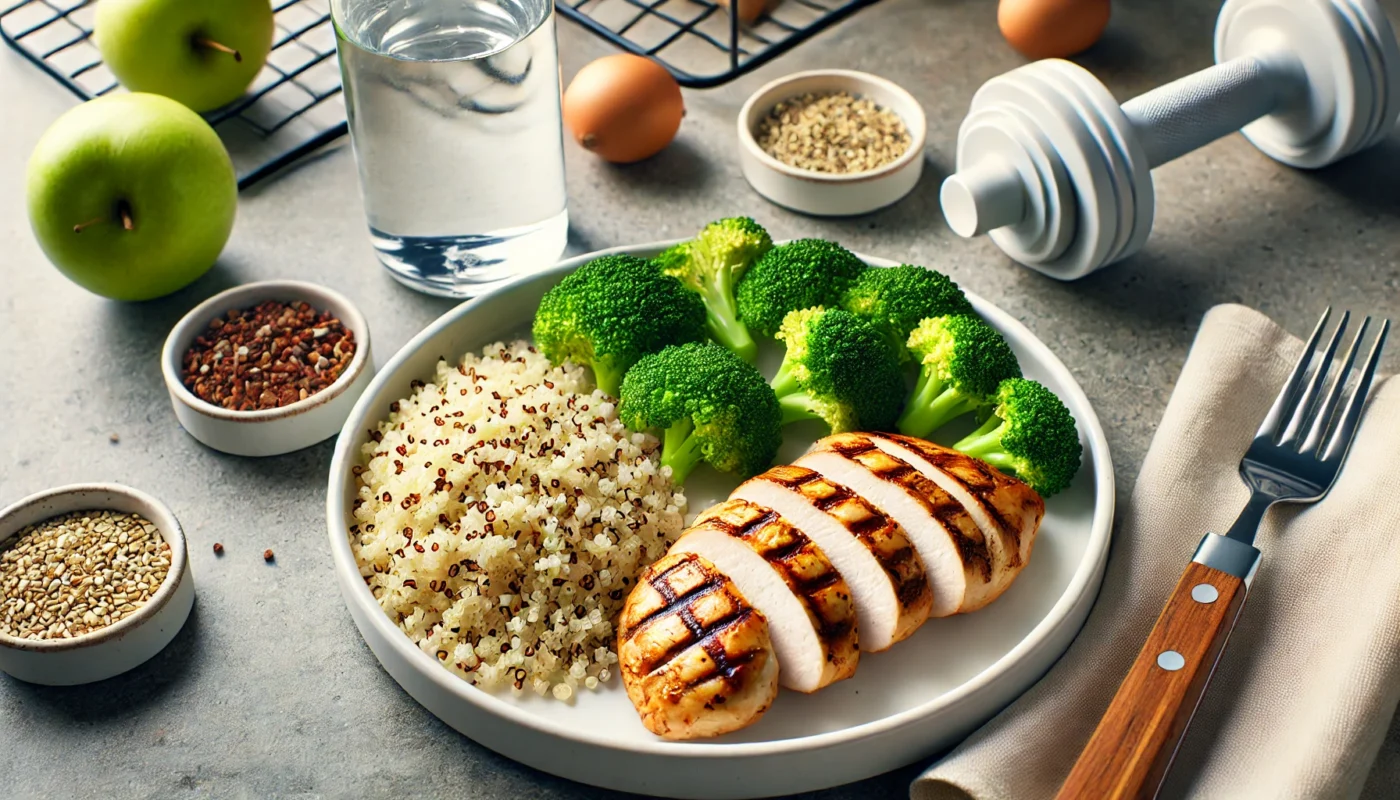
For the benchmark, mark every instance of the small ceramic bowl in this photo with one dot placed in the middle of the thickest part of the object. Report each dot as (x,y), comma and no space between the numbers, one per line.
(122,645)
(272,431)
(827,194)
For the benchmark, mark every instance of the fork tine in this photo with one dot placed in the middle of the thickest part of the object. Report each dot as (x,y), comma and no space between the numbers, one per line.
(1346,426)
(1283,404)
(1329,405)
(1307,403)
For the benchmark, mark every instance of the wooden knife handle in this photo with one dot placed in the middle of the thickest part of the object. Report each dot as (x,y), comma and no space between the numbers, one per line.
(1128,755)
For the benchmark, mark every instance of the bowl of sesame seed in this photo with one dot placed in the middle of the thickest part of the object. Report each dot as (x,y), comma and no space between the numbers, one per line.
(94,581)
(267,368)
(832,142)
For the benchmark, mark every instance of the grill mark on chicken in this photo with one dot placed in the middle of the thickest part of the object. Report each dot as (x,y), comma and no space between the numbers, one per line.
(903,566)
(956,464)
(784,555)
(707,639)
(947,510)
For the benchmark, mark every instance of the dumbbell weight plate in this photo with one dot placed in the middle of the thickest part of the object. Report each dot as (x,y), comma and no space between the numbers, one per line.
(1382,54)
(1322,125)
(1096,211)
(1118,174)
(1002,134)
(1133,175)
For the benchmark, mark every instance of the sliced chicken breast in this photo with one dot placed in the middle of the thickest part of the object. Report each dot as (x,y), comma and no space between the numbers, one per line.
(1008,511)
(811,617)
(870,550)
(695,657)
(948,540)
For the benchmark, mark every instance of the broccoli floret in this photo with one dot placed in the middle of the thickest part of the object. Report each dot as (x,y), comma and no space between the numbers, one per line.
(897,299)
(962,361)
(712,264)
(838,369)
(805,273)
(712,405)
(1030,433)
(612,311)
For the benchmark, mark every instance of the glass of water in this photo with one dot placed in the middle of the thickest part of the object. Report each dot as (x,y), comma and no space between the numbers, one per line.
(454,117)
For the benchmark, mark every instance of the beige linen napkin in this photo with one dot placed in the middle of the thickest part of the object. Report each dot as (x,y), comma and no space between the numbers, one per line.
(1303,697)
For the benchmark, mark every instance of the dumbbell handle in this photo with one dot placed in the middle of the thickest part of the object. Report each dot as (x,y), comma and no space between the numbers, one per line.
(1191,112)
(1169,122)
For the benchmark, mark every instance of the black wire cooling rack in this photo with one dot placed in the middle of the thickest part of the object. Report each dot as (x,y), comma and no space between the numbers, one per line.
(702,42)
(295,105)
(292,108)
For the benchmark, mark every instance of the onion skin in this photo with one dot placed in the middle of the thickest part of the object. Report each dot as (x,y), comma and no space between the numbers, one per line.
(623,108)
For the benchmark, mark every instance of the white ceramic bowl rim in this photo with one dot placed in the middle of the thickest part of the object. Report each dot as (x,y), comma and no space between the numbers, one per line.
(918,129)
(194,323)
(347,454)
(155,512)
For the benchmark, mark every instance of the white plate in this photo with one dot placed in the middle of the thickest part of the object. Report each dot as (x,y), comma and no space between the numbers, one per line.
(907,704)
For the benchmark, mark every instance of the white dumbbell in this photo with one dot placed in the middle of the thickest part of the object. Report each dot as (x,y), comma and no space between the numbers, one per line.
(1059,175)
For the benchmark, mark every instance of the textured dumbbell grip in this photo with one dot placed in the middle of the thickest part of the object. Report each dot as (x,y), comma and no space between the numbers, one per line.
(1191,112)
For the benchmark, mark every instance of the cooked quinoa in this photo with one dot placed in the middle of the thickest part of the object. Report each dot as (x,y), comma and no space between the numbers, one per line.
(503,513)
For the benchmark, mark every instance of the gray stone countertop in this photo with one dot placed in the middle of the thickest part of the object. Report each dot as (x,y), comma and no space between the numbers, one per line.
(269,690)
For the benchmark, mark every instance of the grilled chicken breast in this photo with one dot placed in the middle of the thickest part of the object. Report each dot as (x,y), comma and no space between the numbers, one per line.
(811,616)
(1007,511)
(948,540)
(868,548)
(695,657)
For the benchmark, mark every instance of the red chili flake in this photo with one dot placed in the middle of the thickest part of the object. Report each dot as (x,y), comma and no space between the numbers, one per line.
(410,583)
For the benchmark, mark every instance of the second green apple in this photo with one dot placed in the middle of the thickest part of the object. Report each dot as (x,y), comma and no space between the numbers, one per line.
(203,53)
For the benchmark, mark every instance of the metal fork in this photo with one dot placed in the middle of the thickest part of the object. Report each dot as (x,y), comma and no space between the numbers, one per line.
(1294,458)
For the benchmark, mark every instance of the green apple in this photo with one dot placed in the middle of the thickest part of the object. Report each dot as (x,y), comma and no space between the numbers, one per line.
(131,196)
(203,53)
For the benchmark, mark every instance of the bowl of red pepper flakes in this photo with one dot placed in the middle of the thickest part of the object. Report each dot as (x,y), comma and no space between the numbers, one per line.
(267,368)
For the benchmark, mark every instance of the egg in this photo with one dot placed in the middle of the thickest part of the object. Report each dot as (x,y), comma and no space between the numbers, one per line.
(623,108)
(1052,28)
(750,10)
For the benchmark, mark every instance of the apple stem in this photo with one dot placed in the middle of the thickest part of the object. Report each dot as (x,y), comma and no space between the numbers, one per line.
(79,227)
(124,210)
(204,41)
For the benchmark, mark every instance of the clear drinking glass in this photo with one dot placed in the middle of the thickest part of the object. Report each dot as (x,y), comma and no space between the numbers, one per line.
(454,117)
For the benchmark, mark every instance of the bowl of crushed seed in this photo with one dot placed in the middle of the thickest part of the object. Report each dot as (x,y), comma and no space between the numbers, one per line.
(267,368)
(832,142)
(94,581)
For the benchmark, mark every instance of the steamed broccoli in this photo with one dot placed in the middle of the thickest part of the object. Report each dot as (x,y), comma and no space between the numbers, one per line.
(839,369)
(612,311)
(711,264)
(1030,433)
(962,361)
(712,405)
(897,299)
(805,273)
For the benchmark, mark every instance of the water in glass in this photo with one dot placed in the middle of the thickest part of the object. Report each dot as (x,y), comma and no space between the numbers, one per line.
(454,117)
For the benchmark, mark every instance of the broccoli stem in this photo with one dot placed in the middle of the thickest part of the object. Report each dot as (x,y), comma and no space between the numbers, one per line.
(932,406)
(785,380)
(680,450)
(985,443)
(722,317)
(797,406)
(608,378)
